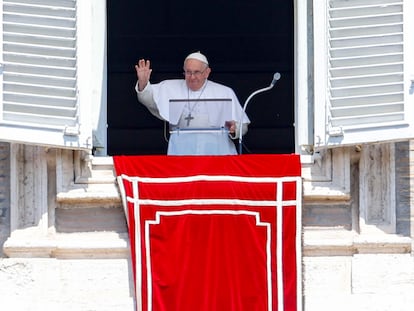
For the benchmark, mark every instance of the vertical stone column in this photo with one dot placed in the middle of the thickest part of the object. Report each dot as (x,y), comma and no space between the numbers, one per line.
(377,210)
(4,193)
(411,177)
(404,167)
(29,189)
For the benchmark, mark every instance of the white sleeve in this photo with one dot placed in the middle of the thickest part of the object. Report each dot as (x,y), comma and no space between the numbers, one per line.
(146,98)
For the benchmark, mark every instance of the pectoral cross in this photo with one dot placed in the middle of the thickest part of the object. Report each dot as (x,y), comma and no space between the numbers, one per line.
(189,118)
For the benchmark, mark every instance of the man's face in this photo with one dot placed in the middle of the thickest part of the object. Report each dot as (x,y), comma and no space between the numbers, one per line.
(195,73)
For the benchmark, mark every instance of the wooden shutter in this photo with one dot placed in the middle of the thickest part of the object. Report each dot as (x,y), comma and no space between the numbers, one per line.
(40,94)
(367,78)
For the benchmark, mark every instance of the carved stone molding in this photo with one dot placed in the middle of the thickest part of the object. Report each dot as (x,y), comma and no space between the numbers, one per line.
(327,175)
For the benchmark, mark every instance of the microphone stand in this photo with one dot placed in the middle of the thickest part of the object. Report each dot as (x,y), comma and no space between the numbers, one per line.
(276,77)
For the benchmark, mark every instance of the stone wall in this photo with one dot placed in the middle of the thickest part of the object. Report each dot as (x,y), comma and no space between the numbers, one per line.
(357,256)
(344,267)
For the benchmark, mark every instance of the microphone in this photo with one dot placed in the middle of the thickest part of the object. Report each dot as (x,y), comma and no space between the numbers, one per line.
(276,77)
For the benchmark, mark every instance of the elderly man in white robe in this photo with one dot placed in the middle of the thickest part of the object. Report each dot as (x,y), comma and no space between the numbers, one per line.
(204,116)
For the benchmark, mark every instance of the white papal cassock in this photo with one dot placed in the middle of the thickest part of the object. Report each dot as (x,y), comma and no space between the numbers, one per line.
(195,122)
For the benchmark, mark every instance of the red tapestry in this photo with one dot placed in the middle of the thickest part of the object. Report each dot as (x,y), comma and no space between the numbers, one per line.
(214,232)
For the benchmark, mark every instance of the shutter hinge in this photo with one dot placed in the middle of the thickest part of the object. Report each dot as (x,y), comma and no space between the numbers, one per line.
(71,131)
(336,131)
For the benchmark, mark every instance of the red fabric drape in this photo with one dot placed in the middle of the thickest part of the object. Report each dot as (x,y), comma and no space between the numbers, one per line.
(204,231)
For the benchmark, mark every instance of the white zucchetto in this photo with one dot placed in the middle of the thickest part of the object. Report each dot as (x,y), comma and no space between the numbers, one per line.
(197,56)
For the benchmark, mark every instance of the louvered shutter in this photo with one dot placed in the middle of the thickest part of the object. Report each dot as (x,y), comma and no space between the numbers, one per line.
(364,87)
(40,93)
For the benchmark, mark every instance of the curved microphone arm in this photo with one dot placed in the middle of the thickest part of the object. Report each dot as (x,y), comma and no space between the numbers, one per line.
(276,77)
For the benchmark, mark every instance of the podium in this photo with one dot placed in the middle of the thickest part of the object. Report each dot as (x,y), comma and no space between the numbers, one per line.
(200,141)
(198,126)
(214,232)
